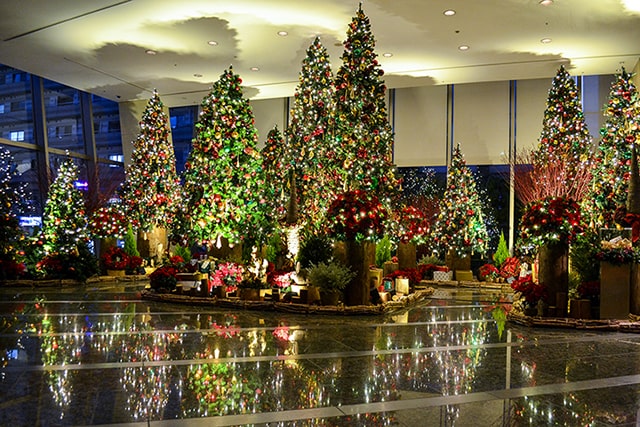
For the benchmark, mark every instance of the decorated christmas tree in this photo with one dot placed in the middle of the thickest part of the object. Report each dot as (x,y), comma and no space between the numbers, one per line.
(12,203)
(610,171)
(275,173)
(224,180)
(64,223)
(151,190)
(460,224)
(308,150)
(564,137)
(363,139)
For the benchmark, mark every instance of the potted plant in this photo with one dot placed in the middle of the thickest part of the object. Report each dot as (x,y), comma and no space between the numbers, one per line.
(115,260)
(249,288)
(331,277)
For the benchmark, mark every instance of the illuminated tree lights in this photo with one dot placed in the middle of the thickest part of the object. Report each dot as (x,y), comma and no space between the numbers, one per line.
(610,172)
(356,215)
(151,191)
(553,219)
(223,174)
(363,137)
(460,225)
(275,172)
(309,146)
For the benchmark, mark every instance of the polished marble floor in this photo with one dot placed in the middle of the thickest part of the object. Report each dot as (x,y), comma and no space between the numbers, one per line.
(102,356)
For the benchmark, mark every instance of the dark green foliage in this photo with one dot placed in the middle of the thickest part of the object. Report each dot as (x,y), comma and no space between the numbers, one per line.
(314,250)
(583,256)
(130,244)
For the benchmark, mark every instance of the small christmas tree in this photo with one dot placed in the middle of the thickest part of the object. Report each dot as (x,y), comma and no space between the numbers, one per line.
(224,181)
(611,166)
(363,138)
(460,225)
(151,191)
(502,253)
(308,149)
(275,172)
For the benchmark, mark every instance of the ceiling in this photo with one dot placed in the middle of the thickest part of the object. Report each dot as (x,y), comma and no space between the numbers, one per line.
(100,46)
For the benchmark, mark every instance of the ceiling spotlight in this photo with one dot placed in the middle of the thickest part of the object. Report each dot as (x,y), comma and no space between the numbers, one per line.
(212,43)
(449,12)
(546,2)
(387,54)
(150,52)
(283,33)
(463,47)
(254,69)
(545,40)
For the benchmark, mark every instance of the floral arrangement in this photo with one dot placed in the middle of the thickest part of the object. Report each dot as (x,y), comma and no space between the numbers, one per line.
(414,226)
(279,278)
(529,290)
(164,278)
(228,274)
(356,215)
(553,219)
(617,251)
(413,274)
(590,290)
(426,270)
(116,258)
(510,267)
(488,271)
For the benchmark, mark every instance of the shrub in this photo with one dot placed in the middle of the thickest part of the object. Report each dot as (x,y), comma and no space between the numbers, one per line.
(330,276)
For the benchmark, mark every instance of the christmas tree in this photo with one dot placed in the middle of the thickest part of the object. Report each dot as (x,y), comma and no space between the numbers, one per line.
(460,225)
(610,172)
(12,203)
(564,137)
(309,135)
(275,172)
(363,140)
(151,190)
(224,180)
(64,223)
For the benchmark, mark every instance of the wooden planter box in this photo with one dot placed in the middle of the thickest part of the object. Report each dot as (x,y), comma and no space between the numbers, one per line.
(615,290)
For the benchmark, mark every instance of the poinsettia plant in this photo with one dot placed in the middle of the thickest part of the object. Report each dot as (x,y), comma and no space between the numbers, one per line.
(552,219)
(531,291)
(414,226)
(356,215)
(228,274)
(488,271)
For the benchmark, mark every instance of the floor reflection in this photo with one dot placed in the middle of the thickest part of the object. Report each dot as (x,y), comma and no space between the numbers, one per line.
(104,356)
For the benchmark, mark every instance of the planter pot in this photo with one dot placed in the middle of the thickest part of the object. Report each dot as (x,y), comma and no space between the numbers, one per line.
(249,294)
(407,256)
(116,273)
(358,256)
(553,272)
(328,297)
(313,295)
(614,290)
(219,291)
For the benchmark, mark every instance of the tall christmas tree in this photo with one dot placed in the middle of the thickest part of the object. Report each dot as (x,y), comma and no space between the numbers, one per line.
(224,180)
(460,224)
(610,172)
(309,135)
(151,191)
(275,172)
(64,224)
(363,139)
(564,137)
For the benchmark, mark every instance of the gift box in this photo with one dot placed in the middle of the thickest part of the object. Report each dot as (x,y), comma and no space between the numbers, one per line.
(402,286)
(464,275)
(442,276)
(376,273)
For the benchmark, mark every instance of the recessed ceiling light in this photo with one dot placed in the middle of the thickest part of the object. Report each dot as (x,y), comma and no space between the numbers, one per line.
(545,40)
(449,12)
(545,2)
(212,43)
(463,47)
(283,33)
(387,54)
(150,52)
(254,69)
(198,75)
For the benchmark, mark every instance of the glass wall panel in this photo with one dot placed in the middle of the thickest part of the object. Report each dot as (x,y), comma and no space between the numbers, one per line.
(64,123)
(16,107)
(24,168)
(106,129)
(182,132)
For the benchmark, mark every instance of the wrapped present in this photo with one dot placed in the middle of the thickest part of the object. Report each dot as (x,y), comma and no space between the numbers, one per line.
(402,285)
(442,276)
(464,275)
(377,274)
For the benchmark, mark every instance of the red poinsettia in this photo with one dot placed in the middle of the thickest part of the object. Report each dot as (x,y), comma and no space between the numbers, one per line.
(414,226)
(356,215)
(553,219)
(532,292)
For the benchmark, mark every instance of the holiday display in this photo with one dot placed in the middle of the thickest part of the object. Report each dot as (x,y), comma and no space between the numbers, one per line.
(460,225)
(275,173)
(151,192)
(308,149)
(413,225)
(223,176)
(551,220)
(612,160)
(363,138)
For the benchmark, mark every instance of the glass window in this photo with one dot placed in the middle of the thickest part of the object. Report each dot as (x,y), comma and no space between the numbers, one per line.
(106,125)
(24,164)
(16,113)
(64,119)
(182,132)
